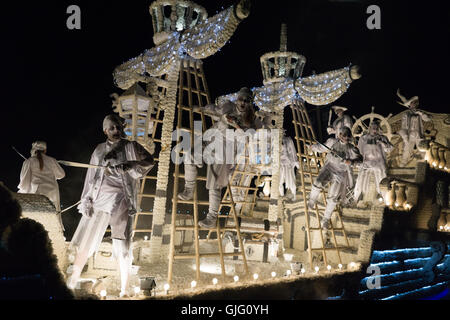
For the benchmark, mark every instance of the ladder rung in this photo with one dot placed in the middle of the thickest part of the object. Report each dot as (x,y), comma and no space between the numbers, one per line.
(146,195)
(145,213)
(334,229)
(328,249)
(202,203)
(196,92)
(185,129)
(238,202)
(245,172)
(204,255)
(198,178)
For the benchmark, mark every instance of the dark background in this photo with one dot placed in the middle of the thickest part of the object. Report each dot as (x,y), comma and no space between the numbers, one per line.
(56,82)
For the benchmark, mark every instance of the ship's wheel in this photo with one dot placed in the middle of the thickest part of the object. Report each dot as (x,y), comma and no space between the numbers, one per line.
(361,125)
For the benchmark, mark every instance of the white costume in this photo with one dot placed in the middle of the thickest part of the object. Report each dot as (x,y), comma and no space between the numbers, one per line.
(109,197)
(35,180)
(373,149)
(412,127)
(411,132)
(288,163)
(344,121)
(335,171)
(219,174)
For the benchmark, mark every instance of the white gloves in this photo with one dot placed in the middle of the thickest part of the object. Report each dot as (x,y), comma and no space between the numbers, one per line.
(331,130)
(86,207)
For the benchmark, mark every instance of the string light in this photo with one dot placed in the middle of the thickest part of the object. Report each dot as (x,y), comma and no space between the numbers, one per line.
(236,278)
(303,271)
(215,281)
(103,294)
(193,284)
(325,88)
(288,273)
(255,276)
(273,274)
(340,266)
(137,290)
(329,268)
(316,269)
(200,41)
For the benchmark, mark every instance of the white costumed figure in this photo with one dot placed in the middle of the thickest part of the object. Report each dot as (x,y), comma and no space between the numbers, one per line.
(337,170)
(39,174)
(412,127)
(109,197)
(373,146)
(229,115)
(343,120)
(288,163)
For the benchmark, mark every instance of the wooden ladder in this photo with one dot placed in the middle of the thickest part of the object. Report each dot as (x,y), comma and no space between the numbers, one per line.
(310,165)
(193,91)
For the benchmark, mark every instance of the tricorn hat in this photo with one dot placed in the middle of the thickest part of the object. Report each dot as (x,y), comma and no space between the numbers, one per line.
(335,108)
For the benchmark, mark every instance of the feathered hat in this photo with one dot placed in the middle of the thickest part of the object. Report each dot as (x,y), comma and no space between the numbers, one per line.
(405,102)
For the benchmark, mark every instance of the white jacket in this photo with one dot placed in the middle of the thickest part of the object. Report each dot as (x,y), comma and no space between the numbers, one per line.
(123,184)
(37,181)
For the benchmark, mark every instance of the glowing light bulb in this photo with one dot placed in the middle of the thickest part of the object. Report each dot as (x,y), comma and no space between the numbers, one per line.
(329,268)
(146,238)
(441,227)
(273,274)
(396,204)
(103,294)
(215,281)
(236,278)
(137,290)
(255,276)
(434,164)
(340,266)
(303,271)
(317,269)
(193,284)
(288,272)
(352,264)
(380,199)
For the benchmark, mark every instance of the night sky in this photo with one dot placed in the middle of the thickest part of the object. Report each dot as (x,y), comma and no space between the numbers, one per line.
(57,82)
